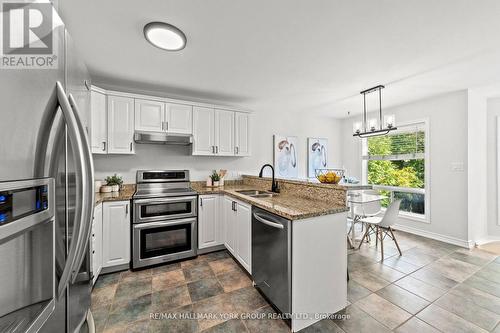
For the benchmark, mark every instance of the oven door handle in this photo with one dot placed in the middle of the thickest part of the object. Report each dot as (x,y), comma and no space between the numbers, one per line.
(163,200)
(150,225)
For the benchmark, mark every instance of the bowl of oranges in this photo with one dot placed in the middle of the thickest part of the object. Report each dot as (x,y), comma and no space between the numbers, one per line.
(329,176)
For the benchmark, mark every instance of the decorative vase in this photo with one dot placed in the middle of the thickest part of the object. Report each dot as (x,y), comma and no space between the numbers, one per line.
(216,183)
(221,182)
(105,189)
(115,188)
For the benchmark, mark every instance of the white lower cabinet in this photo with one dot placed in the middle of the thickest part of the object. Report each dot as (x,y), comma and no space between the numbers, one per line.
(209,221)
(238,230)
(96,242)
(116,233)
(244,235)
(229,218)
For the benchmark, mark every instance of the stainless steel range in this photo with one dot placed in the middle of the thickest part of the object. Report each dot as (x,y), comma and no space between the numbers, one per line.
(164,218)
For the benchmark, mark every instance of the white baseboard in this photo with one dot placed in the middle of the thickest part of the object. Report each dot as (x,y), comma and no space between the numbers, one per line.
(487,240)
(446,239)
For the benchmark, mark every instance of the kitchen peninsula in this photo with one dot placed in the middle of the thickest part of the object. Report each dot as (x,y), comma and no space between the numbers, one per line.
(293,243)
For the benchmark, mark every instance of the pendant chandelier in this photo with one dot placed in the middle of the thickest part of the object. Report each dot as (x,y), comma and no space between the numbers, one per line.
(374,126)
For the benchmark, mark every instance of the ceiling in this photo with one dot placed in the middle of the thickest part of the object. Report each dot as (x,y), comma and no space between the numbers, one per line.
(292,55)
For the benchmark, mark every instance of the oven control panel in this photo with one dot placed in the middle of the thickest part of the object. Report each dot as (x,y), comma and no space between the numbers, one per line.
(18,203)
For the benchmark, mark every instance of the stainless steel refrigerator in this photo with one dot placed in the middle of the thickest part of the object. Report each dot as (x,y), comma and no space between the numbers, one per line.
(44,140)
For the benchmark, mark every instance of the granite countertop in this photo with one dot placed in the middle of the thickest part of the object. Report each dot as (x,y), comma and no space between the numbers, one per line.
(287,205)
(125,194)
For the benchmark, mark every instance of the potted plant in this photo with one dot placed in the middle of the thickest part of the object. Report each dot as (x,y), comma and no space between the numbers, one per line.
(215,178)
(115,182)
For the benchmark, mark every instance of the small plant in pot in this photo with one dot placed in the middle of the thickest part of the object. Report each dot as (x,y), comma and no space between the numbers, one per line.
(114,182)
(215,178)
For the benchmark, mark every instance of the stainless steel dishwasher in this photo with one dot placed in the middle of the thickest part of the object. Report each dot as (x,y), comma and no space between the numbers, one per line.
(272,257)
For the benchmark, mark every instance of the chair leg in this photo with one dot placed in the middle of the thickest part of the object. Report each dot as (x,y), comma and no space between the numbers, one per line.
(364,236)
(395,241)
(351,245)
(381,241)
(376,237)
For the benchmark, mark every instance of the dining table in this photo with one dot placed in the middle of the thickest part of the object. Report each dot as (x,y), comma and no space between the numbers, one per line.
(359,198)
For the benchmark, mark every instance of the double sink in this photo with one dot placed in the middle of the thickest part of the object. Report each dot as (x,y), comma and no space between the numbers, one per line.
(257,193)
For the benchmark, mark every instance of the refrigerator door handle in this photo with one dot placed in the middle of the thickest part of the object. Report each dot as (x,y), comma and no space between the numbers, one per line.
(84,173)
(87,191)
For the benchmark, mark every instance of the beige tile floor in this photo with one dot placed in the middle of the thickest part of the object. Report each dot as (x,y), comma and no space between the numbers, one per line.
(432,287)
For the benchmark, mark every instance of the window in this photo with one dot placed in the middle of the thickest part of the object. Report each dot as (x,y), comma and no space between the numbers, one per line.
(396,165)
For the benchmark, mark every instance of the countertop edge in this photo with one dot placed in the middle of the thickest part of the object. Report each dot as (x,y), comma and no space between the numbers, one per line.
(246,199)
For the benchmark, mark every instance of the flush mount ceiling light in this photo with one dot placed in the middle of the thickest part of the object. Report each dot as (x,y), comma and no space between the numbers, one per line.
(165,36)
(370,128)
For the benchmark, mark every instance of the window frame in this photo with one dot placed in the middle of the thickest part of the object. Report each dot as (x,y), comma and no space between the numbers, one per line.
(425,218)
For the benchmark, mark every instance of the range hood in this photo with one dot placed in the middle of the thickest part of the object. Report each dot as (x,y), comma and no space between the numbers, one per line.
(163,138)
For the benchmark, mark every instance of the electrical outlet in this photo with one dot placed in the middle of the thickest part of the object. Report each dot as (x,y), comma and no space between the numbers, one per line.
(457,166)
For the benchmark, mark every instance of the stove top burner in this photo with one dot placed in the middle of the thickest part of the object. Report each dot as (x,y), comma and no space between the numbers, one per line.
(158,192)
(163,183)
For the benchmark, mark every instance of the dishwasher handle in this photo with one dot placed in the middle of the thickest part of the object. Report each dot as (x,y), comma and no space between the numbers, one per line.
(267,222)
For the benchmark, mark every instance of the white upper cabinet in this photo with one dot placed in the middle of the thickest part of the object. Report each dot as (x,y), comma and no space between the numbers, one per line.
(215,133)
(120,125)
(224,132)
(98,127)
(116,116)
(149,115)
(203,131)
(179,118)
(242,134)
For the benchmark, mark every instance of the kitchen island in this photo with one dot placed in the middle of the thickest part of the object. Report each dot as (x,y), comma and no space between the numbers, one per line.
(302,255)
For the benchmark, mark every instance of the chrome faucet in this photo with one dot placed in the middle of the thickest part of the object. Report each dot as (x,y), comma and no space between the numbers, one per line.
(274,187)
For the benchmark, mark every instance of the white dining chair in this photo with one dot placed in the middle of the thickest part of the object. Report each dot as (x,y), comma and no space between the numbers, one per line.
(381,226)
(365,210)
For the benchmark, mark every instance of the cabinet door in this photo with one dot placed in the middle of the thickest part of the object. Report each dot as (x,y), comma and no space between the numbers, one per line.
(229,225)
(203,131)
(120,125)
(224,132)
(242,134)
(149,116)
(98,127)
(116,233)
(97,242)
(208,221)
(244,234)
(179,118)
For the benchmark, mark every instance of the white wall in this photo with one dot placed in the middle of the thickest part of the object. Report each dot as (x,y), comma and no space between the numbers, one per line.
(264,124)
(477,165)
(447,116)
(492,175)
